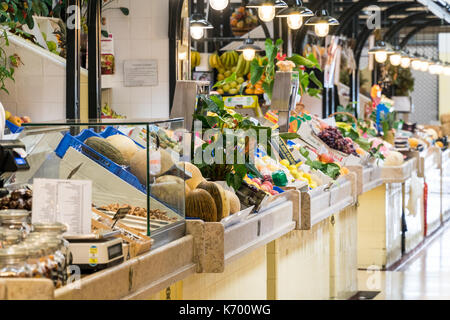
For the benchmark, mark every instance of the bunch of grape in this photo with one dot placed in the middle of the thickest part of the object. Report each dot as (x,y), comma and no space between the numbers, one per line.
(335,140)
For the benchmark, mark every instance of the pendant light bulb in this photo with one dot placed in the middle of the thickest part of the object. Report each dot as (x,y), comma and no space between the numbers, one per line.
(266,13)
(405,62)
(249,54)
(197,32)
(395,59)
(424,65)
(295,21)
(322,29)
(218,5)
(433,68)
(416,64)
(381,57)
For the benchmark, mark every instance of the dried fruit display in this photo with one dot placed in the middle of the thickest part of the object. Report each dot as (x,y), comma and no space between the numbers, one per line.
(18,199)
(155,214)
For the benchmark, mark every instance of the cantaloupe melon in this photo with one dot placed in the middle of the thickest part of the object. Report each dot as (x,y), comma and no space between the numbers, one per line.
(106,149)
(125,145)
(169,189)
(235,204)
(138,164)
(218,194)
(195,172)
(200,204)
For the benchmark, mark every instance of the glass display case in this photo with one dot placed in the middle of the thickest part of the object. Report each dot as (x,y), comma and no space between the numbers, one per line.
(136,165)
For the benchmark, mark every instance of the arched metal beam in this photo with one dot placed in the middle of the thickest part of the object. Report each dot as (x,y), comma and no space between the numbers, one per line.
(348,14)
(361,41)
(434,22)
(366,32)
(403,23)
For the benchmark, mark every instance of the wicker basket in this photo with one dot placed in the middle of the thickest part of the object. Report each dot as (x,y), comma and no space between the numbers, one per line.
(239,32)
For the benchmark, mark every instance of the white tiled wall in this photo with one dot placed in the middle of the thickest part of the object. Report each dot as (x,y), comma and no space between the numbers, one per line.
(39,87)
(141,35)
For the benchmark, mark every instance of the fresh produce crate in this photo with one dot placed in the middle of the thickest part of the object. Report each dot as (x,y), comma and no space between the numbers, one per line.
(137,241)
(398,174)
(13,128)
(78,144)
(368,177)
(321,203)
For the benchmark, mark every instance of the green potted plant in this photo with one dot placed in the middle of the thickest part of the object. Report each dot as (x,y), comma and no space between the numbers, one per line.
(211,157)
(402,84)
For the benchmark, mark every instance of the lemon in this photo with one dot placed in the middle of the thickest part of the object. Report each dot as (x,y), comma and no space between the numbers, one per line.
(285,163)
(292,168)
(299,164)
(303,179)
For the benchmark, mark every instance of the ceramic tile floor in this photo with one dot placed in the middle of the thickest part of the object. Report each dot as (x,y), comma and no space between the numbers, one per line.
(425,276)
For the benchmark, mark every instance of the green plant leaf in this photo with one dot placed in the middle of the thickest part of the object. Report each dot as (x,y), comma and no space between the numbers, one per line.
(256,71)
(314,79)
(125,11)
(302,61)
(289,136)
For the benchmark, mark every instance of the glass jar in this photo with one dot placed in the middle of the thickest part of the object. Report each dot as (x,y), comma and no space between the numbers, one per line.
(55,230)
(50,228)
(55,262)
(13,263)
(11,237)
(36,267)
(16,220)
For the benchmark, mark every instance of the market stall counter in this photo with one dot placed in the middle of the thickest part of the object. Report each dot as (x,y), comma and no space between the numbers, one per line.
(380,214)
(325,254)
(445,185)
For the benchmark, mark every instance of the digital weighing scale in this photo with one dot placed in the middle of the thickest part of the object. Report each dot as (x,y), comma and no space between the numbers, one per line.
(95,252)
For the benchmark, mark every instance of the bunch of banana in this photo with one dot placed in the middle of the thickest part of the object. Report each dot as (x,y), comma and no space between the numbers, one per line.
(229,59)
(215,62)
(243,66)
(195,59)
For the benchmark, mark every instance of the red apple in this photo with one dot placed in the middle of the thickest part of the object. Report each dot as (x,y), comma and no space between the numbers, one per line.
(267,183)
(26,119)
(274,192)
(266,188)
(326,158)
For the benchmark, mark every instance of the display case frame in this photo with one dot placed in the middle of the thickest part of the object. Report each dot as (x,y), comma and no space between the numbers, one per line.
(50,144)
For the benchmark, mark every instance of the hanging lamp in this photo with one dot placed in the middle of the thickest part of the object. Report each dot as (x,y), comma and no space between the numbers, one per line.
(266,8)
(198,25)
(381,51)
(322,22)
(294,14)
(249,49)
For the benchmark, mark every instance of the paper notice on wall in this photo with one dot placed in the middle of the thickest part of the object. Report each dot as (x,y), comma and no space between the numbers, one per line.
(141,73)
(65,201)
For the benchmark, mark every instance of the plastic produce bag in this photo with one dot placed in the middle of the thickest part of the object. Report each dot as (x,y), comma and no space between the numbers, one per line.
(416,199)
